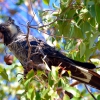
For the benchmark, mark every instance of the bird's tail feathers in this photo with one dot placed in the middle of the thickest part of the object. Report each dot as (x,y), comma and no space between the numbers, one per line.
(88,76)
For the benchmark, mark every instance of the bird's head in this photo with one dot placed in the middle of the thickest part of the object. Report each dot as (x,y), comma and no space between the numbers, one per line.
(8,31)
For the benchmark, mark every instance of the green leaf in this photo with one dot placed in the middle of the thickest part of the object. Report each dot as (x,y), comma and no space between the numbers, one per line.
(97,9)
(84,14)
(99,27)
(71,13)
(98,45)
(88,52)
(26,84)
(54,73)
(65,3)
(66,97)
(92,39)
(53,94)
(33,95)
(30,74)
(44,92)
(4,75)
(29,93)
(98,97)
(56,44)
(92,22)
(63,26)
(72,90)
(54,5)
(76,98)
(71,30)
(50,92)
(62,83)
(77,32)
(92,11)
(20,2)
(38,96)
(91,8)
(85,26)
(50,80)
(1,69)
(46,2)
(82,49)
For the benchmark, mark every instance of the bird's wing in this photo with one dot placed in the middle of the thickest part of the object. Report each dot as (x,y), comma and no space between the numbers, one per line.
(40,50)
(78,71)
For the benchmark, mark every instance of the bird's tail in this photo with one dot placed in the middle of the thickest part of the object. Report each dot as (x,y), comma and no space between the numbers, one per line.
(95,80)
(78,72)
(86,76)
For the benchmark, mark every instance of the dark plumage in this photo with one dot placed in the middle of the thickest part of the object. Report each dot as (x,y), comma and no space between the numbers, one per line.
(41,51)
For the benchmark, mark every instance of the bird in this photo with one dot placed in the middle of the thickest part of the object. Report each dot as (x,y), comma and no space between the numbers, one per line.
(41,53)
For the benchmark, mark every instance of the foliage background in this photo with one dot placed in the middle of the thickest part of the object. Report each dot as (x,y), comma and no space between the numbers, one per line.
(72,26)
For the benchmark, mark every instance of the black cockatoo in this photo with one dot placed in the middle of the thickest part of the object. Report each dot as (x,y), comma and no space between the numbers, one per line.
(41,52)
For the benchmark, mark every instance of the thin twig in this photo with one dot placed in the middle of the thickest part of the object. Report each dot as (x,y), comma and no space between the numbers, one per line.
(36,27)
(58,18)
(75,83)
(38,79)
(32,8)
(20,79)
(27,37)
(19,74)
(58,36)
(90,92)
(32,26)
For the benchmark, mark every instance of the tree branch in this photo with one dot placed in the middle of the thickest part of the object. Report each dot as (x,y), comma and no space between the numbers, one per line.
(90,92)
(75,83)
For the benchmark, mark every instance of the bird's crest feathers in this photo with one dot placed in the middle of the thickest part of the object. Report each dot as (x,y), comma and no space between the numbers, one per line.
(12,27)
(10,20)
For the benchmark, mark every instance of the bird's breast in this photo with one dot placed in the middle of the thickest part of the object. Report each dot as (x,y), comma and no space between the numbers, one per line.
(19,52)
